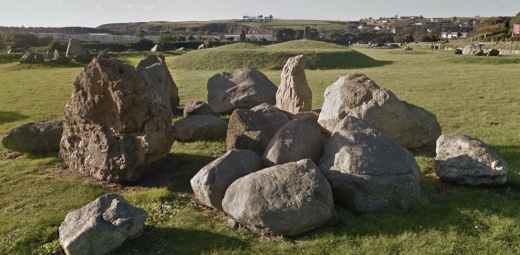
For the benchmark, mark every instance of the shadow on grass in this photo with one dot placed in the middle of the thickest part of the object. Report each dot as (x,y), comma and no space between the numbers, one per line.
(174,172)
(6,117)
(178,241)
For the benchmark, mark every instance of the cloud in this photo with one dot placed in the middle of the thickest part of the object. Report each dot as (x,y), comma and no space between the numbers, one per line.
(141,7)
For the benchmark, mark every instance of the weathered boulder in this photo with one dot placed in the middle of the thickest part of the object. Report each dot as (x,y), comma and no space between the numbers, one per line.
(287,200)
(297,140)
(472,49)
(116,123)
(83,58)
(249,130)
(294,94)
(274,115)
(74,48)
(194,107)
(466,160)
(211,182)
(159,76)
(239,88)
(34,136)
(101,226)
(357,95)
(200,128)
(59,59)
(367,170)
(31,58)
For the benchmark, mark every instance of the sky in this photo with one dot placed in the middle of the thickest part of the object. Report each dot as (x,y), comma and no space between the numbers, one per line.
(92,13)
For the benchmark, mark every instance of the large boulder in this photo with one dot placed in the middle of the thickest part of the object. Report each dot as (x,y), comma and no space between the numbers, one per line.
(101,226)
(287,200)
(116,124)
(297,140)
(239,88)
(274,115)
(357,95)
(159,76)
(466,160)
(211,182)
(74,49)
(472,49)
(194,107)
(294,94)
(367,170)
(34,136)
(249,130)
(199,128)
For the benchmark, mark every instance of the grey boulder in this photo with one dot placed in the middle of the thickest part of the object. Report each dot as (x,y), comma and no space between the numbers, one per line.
(34,136)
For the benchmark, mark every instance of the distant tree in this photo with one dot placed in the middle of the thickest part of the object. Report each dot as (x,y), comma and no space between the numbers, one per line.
(514,20)
(166,38)
(25,40)
(140,34)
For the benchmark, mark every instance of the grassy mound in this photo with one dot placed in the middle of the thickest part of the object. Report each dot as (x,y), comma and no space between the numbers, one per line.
(240,46)
(320,55)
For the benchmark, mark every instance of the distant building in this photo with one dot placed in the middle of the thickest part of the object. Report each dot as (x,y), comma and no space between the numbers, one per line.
(437,20)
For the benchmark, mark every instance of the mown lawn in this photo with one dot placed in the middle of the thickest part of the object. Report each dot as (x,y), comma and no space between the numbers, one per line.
(469,95)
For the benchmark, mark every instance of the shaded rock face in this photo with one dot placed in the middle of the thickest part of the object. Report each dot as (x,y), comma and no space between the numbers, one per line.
(199,128)
(466,160)
(101,226)
(116,123)
(472,49)
(240,88)
(367,170)
(297,140)
(249,130)
(159,76)
(34,136)
(74,49)
(211,182)
(287,200)
(294,94)
(193,107)
(357,95)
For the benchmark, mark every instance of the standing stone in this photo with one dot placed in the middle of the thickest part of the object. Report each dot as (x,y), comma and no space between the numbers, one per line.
(155,65)
(287,200)
(239,88)
(466,160)
(294,94)
(307,33)
(75,49)
(358,96)
(116,124)
(101,226)
(367,170)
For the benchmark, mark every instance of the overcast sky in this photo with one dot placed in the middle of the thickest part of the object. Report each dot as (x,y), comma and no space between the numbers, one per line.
(92,13)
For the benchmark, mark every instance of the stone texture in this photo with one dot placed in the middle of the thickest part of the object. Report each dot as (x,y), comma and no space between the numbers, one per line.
(294,94)
(200,128)
(287,200)
(367,170)
(31,58)
(158,74)
(297,140)
(274,115)
(239,88)
(34,136)
(101,226)
(116,123)
(249,130)
(194,107)
(211,182)
(466,160)
(357,95)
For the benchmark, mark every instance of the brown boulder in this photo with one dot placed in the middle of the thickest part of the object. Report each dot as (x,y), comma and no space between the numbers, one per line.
(116,124)
(294,94)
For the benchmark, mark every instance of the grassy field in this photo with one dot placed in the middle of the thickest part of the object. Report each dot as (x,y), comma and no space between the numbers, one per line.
(477,96)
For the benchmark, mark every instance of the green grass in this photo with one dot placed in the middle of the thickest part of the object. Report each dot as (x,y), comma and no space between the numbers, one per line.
(320,55)
(475,96)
